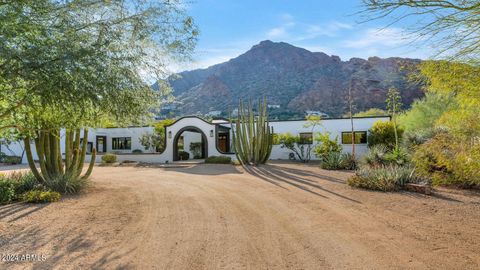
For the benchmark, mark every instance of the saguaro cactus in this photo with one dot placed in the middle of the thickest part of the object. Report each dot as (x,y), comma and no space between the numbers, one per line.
(52,164)
(252,135)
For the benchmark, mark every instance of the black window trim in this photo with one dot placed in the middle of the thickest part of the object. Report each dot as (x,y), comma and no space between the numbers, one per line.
(356,131)
(303,141)
(114,145)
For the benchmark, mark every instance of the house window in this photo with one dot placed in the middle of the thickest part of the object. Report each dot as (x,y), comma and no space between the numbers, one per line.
(306,138)
(360,137)
(122,143)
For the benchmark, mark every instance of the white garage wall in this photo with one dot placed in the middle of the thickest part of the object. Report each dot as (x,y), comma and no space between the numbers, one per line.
(334,126)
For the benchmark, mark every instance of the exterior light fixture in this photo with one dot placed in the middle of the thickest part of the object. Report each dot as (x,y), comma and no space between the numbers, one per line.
(211,132)
(169,134)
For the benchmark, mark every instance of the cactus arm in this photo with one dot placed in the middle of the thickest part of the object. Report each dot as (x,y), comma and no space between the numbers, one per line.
(68,148)
(90,166)
(59,153)
(83,151)
(31,162)
(40,147)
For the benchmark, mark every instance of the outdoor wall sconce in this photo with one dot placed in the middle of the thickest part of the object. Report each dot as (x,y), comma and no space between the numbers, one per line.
(211,132)
(169,134)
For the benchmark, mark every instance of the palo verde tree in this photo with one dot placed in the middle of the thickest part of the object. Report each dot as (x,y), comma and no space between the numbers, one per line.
(449,26)
(252,135)
(301,146)
(71,65)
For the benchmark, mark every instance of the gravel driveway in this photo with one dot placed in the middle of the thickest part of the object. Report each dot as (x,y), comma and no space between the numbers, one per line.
(279,216)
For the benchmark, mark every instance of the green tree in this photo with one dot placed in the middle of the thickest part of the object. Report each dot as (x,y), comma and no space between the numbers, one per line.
(424,113)
(326,146)
(463,82)
(451,27)
(159,129)
(151,141)
(383,133)
(76,64)
(300,146)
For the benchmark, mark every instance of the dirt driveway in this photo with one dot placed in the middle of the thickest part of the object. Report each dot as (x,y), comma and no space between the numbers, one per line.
(279,216)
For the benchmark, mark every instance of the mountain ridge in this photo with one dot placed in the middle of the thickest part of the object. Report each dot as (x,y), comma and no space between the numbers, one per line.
(294,78)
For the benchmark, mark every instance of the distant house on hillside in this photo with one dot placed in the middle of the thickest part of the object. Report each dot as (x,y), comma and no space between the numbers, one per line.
(316,113)
(214,113)
(273,106)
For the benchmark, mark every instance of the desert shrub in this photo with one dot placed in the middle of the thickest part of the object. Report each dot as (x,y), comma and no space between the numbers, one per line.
(383,132)
(41,196)
(137,151)
(218,160)
(12,185)
(383,178)
(182,155)
(109,158)
(23,181)
(301,147)
(376,156)
(7,190)
(349,162)
(69,184)
(12,160)
(398,157)
(411,140)
(338,161)
(446,160)
(380,155)
(332,161)
(326,146)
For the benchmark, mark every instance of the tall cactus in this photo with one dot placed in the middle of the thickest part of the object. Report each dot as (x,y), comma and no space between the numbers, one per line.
(52,164)
(252,135)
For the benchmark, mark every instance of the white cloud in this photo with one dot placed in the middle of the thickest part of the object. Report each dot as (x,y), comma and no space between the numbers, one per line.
(277,32)
(291,30)
(389,37)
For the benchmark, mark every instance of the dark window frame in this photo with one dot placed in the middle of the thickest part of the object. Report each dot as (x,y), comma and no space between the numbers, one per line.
(363,139)
(306,140)
(122,143)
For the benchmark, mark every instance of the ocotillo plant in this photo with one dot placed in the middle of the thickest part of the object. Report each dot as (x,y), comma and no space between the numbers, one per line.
(252,135)
(52,165)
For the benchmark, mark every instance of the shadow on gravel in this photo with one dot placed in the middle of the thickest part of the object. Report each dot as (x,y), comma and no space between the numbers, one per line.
(276,175)
(16,211)
(206,169)
(73,245)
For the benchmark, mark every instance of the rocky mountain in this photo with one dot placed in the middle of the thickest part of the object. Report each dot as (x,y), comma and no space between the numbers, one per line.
(294,78)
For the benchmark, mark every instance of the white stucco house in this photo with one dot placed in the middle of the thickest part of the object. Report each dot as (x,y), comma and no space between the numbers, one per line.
(214,137)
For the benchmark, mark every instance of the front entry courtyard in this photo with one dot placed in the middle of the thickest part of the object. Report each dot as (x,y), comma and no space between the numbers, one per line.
(205,216)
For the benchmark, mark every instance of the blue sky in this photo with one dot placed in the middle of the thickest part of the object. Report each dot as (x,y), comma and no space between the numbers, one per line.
(231,27)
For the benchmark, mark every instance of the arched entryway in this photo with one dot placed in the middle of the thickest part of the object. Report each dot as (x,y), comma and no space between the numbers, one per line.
(190,129)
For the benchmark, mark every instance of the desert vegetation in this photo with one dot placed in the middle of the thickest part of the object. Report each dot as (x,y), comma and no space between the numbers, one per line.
(437,140)
(69,66)
(252,135)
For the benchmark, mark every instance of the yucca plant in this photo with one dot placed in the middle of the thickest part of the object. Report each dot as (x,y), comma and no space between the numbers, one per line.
(52,165)
(252,135)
